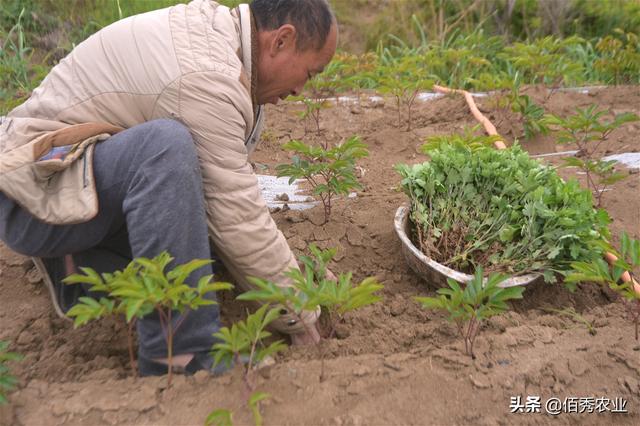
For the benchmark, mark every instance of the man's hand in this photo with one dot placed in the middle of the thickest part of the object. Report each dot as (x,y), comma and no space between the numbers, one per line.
(327,274)
(310,337)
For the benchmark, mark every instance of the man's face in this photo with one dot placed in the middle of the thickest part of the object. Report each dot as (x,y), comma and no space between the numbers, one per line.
(282,69)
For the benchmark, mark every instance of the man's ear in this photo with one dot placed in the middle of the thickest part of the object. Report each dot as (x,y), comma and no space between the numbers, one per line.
(284,39)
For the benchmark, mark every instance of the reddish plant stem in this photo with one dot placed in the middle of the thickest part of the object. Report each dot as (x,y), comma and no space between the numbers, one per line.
(249,370)
(412,98)
(316,116)
(470,336)
(321,349)
(326,198)
(169,347)
(162,323)
(167,329)
(248,387)
(633,309)
(317,345)
(593,185)
(326,204)
(180,321)
(132,360)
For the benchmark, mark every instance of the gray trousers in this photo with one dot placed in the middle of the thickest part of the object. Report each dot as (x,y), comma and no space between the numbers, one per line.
(150,199)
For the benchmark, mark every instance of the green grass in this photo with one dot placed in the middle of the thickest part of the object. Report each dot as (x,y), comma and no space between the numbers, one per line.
(18,76)
(26,54)
(527,20)
(470,50)
(477,61)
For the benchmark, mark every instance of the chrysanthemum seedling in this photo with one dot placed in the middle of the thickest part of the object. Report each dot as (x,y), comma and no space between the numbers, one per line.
(330,172)
(469,307)
(141,288)
(312,288)
(588,129)
(7,380)
(601,272)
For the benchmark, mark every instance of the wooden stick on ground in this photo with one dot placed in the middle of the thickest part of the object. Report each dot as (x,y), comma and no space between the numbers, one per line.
(491,130)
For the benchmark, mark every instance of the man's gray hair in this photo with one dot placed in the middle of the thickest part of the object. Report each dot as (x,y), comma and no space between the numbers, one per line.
(311,18)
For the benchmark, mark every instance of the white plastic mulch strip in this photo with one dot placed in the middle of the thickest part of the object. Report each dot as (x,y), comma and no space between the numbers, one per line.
(629,159)
(273,189)
(422,97)
(429,96)
(556,154)
(584,90)
(351,99)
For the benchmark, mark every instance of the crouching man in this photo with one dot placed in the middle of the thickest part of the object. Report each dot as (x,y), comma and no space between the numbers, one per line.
(138,142)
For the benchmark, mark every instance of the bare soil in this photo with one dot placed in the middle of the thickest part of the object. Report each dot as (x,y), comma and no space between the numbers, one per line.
(391,363)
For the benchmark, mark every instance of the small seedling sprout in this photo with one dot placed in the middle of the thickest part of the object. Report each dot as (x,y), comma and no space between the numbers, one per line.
(141,288)
(600,271)
(588,130)
(469,307)
(404,80)
(571,313)
(7,380)
(219,417)
(330,172)
(245,339)
(312,288)
(224,417)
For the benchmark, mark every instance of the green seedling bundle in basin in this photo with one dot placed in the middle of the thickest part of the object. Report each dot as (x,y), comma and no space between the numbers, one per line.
(474,206)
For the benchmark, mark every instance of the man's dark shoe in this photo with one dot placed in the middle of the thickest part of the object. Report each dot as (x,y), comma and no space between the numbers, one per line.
(63,296)
(55,269)
(200,361)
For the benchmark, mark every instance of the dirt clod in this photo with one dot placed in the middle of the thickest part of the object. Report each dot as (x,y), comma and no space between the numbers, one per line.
(362,371)
(578,367)
(479,383)
(33,276)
